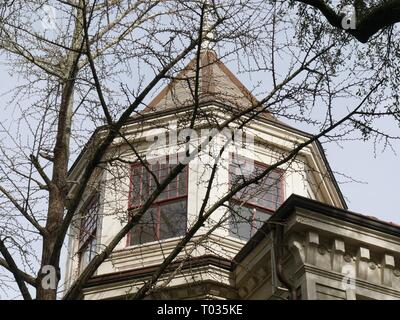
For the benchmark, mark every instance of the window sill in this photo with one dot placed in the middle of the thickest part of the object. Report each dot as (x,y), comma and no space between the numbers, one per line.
(152,243)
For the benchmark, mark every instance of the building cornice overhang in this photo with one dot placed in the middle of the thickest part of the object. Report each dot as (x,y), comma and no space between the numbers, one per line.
(296,202)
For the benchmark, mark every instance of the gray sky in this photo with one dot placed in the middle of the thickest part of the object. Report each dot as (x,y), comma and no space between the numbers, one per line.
(377,196)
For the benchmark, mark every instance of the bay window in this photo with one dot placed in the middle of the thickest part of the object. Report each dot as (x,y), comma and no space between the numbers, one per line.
(167,217)
(254,204)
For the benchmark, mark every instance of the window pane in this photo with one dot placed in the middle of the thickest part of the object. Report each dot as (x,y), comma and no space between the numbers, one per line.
(172,189)
(143,183)
(182,182)
(259,219)
(92,248)
(241,222)
(84,259)
(162,175)
(167,218)
(145,230)
(89,220)
(135,188)
(87,253)
(265,193)
(145,186)
(173,218)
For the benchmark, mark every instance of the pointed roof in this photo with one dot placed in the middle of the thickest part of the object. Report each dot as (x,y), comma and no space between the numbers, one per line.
(216,83)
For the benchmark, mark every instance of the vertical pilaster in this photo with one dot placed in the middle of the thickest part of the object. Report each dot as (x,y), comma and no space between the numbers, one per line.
(312,240)
(338,250)
(363,258)
(387,269)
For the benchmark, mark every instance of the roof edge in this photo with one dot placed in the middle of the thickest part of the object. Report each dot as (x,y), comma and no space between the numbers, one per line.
(287,209)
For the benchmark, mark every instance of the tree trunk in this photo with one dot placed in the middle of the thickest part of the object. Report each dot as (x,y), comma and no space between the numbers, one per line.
(48,281)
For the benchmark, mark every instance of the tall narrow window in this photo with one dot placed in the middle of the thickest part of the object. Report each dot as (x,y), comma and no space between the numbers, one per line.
(88,230)
(167,217)
(254,204)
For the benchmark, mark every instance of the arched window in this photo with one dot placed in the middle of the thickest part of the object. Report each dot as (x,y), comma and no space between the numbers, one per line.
(167,217)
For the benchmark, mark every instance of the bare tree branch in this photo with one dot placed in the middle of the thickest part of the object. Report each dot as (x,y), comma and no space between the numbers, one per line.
(27,216)
(18,275)
(26,277)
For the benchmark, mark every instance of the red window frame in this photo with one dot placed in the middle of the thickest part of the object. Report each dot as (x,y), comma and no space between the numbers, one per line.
(158,203)
(248,203)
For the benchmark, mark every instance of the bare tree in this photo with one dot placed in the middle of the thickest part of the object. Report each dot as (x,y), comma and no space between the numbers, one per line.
(98,64)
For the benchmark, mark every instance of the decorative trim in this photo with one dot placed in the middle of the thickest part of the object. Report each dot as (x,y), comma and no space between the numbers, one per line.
(148,271)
